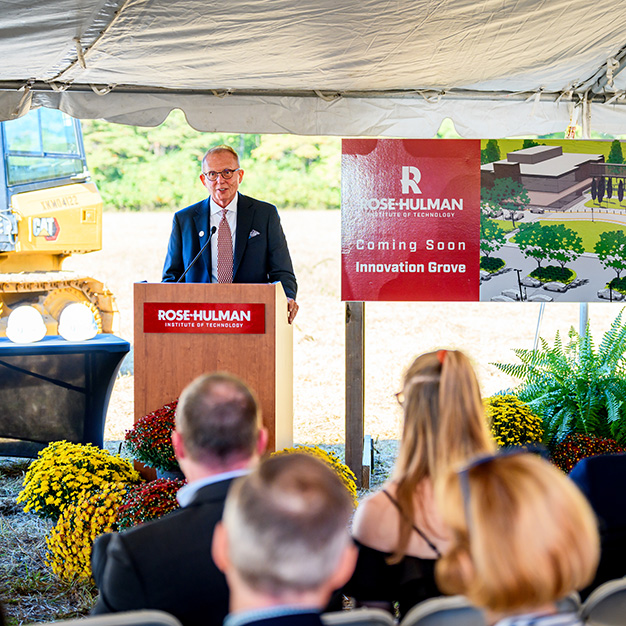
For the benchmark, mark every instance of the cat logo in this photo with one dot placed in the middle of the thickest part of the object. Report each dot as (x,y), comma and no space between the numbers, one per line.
(46,227)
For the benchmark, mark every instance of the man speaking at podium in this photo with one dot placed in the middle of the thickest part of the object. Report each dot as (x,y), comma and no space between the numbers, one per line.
(241,238)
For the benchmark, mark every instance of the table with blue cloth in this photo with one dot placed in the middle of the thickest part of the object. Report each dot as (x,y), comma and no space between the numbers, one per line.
(56,389)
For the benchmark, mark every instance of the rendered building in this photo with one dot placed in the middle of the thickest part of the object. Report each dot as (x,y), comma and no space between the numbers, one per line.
(554,180)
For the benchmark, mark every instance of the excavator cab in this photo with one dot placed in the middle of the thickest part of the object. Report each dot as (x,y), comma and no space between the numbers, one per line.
(49,210)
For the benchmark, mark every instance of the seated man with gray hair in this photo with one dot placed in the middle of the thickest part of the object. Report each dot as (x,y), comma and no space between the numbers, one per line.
(166,564)
(284,543)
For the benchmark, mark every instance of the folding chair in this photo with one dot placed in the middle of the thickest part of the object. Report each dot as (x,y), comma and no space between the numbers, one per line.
(125,618)
(444,611)
(358,617)
(606,606)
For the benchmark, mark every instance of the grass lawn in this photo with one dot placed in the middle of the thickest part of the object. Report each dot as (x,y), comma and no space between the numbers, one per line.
(579,146)
(613,203)
(506,225)
(589,231)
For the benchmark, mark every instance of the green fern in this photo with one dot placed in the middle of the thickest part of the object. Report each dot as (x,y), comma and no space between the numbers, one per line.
(574,387)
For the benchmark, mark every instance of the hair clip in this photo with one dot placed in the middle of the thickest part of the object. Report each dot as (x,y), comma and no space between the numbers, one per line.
(441,355)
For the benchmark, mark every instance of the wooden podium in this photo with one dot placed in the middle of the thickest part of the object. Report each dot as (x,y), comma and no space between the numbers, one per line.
(187,329)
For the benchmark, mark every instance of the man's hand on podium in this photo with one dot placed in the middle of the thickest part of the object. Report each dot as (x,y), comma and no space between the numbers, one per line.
(292,309)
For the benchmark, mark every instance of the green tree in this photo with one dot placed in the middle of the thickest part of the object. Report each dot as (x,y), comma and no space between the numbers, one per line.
(611,250)
(615,155)
(492,236)
(491,152)
(508,194)
(158,168)
(530,143)
(531,242)
(561,244)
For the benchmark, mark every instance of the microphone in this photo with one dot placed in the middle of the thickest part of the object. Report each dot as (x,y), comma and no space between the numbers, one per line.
(208,241)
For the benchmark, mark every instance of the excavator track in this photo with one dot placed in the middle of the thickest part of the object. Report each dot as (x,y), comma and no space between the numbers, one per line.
(50,292)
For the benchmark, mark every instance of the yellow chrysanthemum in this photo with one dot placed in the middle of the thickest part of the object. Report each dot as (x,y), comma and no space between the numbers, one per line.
(512,422)
(69,542)
(331,459)
(63,470)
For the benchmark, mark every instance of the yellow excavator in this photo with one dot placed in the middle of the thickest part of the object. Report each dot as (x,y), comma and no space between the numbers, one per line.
(49,210)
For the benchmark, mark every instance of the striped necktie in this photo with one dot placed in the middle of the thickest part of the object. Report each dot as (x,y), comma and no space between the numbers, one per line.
(224,251)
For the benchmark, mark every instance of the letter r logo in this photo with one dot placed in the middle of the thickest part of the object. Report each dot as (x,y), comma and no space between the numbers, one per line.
(410,177)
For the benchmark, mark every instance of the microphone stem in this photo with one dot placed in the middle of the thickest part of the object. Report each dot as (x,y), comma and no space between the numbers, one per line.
(199,253)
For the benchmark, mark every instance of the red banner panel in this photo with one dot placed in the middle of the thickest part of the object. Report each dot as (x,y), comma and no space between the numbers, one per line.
(198,317)
(410,219)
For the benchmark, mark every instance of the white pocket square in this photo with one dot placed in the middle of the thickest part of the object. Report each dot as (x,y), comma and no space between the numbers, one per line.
(253,233)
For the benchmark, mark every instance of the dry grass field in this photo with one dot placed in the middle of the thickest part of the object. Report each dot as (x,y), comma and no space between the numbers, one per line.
(134,248)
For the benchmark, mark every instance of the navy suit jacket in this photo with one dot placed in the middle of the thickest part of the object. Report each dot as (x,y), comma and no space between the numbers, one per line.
(166,564)
(603,480)
(257,258)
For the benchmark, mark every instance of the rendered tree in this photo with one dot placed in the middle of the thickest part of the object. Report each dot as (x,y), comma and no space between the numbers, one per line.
(530,143)
(562,244)
(611,250)
(491,152)
(594,189)
(509,195)
(600,189)
(486,207)
(609,188)
(531,241)
(620,191)
(615,155)
(492,236)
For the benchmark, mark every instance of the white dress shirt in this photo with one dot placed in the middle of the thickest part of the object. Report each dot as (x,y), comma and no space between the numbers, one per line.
(187,493)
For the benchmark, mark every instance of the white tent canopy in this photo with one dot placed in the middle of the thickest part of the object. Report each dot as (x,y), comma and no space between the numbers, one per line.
(343,67)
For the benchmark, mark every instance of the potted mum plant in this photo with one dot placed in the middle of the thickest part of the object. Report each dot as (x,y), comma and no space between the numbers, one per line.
(150,441)
(64,470)
(148,501)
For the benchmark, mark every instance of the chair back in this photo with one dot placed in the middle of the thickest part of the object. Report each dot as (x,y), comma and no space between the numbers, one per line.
(569,604)
(125,618)
(606,606)
(444,611)
(358,617)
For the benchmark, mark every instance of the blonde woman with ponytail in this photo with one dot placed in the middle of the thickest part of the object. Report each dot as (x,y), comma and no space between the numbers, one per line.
(398,530)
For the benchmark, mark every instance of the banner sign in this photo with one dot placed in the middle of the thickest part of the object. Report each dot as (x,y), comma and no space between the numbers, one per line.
(410,219)
(199,317)
(498,220)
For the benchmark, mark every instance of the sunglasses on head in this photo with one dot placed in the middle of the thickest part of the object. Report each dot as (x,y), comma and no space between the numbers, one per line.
(484,459)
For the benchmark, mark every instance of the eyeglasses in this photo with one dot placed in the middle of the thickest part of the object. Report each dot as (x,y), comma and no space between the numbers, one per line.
(419,379)
(227,174)
(463,473)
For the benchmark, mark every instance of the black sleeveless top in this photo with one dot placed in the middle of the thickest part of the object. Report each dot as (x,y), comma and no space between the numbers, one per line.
(408,582)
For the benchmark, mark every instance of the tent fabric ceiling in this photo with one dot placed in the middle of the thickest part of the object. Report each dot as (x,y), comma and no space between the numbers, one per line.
(348,67)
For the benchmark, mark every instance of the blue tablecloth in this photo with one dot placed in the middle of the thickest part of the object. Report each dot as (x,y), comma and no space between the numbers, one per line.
(56,389)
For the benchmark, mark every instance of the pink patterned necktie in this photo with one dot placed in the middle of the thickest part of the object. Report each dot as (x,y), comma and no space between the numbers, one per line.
(224,251)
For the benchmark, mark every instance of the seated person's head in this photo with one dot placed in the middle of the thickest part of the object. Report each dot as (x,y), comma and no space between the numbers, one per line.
(444,420)
(284,533)
(217,422)
(523,536)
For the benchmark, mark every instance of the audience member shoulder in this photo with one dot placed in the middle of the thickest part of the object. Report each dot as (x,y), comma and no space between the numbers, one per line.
(376,521)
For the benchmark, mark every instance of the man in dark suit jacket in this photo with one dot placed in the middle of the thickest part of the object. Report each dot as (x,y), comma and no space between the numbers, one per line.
(258,245)
(602,479)
(166,564)
(284,543)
